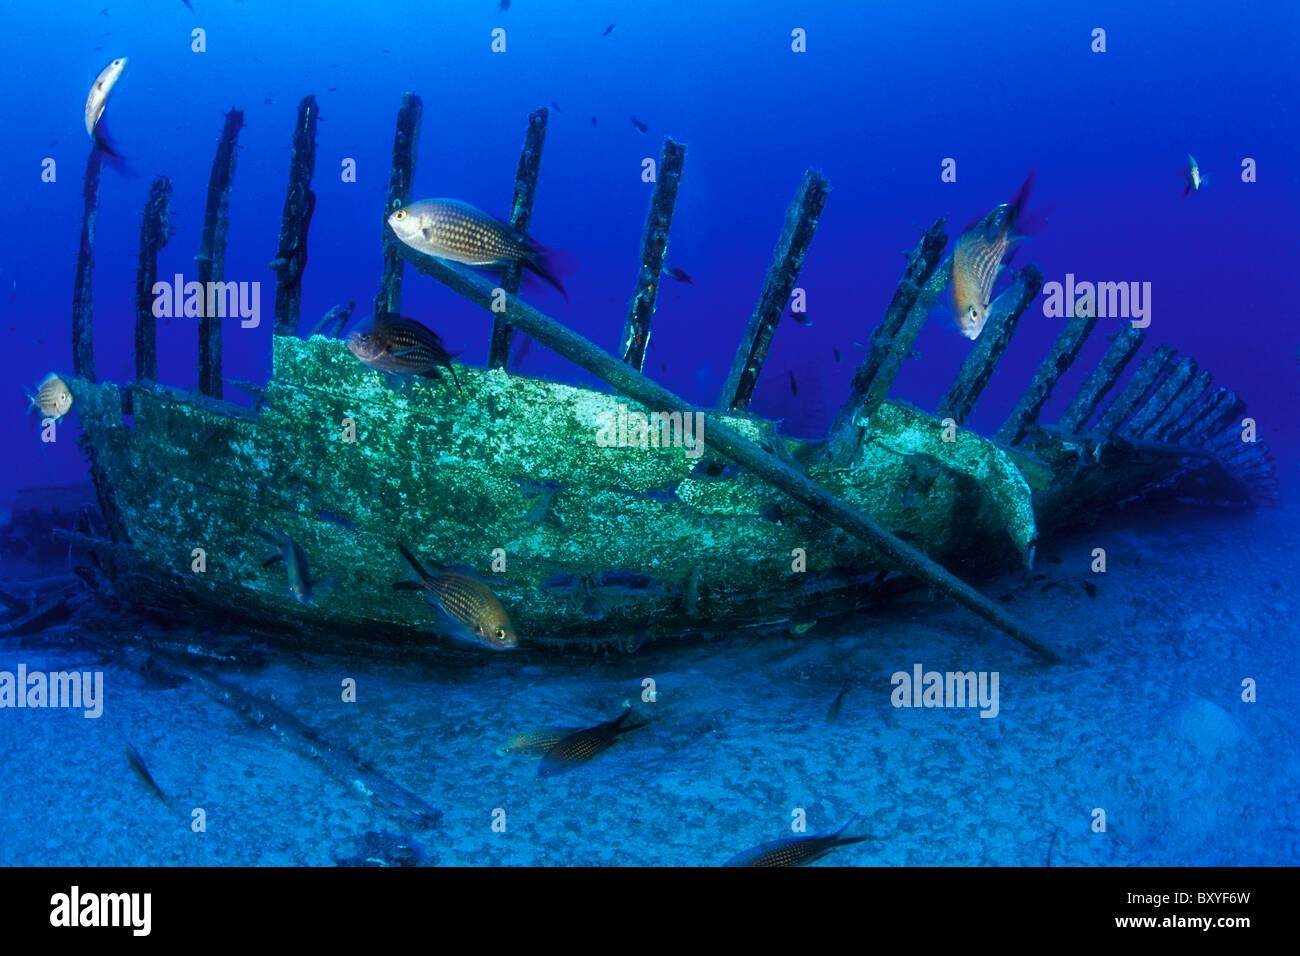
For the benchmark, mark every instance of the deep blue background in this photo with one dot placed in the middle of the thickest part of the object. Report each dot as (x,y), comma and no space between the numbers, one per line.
(879,99)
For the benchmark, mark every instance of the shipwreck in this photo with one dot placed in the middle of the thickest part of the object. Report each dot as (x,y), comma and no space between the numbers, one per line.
(761,532)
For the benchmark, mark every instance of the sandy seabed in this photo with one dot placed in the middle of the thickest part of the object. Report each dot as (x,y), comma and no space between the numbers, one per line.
(1145,722)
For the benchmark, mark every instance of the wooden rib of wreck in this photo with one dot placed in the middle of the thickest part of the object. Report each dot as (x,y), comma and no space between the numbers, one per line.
(602,544)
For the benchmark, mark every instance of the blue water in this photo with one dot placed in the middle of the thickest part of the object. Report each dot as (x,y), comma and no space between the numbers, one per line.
(879,100)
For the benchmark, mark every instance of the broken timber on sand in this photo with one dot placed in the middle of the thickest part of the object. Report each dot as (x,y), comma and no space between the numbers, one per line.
(605,542)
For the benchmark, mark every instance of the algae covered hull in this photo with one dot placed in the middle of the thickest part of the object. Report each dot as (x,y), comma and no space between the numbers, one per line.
(598,543)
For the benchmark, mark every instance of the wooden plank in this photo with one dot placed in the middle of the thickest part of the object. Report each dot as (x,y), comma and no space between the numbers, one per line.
(1065,350)
(800,226)
(521,215)
(1124,345)
(155,230)
(295,220)
(654,248)
(1192,394)
(406,141)
(212,251)
(83,336)
(1145,417)
(1135,392)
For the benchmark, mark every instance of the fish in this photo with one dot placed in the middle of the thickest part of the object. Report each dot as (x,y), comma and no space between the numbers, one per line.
(301,585)
(801,318)
(1090,588)
(188,4)
(1193,176)
(836,353)
(505,5)
(977,260)
(404,346)
(794,388)
(639,125)
(609,29)
(593,121)
(795,851)
(455,230)
(582,745)
(680,275)
(52,398)
(535,742)
(137,764)
(770,511)
(556,106)
(98,99)
(472,612)
(834,712)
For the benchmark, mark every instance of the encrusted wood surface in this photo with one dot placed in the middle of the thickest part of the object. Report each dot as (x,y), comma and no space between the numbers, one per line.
(628,534)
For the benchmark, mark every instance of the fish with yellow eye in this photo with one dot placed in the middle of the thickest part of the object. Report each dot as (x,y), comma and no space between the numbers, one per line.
(977,260)
(469,608)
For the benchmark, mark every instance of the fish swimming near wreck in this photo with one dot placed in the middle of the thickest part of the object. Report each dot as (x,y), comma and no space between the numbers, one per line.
(977,260)
(472,612)
(137,764)
(301,585)
(581,746)
(795,851)
(404,346)
(536,741)
(98,99)
(455,230)
(52,398)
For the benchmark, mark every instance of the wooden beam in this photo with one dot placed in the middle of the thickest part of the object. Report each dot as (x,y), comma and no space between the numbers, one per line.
(1124,345)
(1065,350)
(83,335)
(1145,418)
(728,442)
(1138,388)
(212,251)
(977,370)
(654,248)
(923,281)
(800,226)
(406,141)
(1192,394)
(295,220)
(155,230)
(521,215)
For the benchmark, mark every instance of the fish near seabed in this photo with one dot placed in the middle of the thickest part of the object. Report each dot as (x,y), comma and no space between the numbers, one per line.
(301,585)
(581,746)
(52,398)
(403,346)
(977,260)
(455,230)
(472,612)
(795,851)
(98,99)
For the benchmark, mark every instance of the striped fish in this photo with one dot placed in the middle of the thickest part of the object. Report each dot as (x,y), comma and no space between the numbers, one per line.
(795,851)
(471,610)
(535,742)
(455,230)
(52,398)
(581,746)
(402,345)
(977,260)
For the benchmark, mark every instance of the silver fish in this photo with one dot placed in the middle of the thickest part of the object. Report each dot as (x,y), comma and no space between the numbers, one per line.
(98,99)
(287,550)
(455,230)
(52,398)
